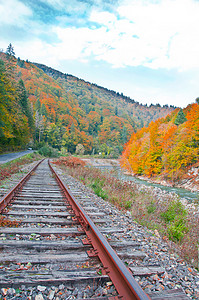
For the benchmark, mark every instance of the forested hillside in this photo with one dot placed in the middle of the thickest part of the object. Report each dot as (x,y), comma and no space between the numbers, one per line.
(16,120)
(168,147)
(64,111)
(91,96)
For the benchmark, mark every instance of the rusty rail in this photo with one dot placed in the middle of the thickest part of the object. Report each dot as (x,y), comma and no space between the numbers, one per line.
(8,197)
(121,277)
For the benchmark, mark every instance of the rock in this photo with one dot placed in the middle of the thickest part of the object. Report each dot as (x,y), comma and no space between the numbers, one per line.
(157,233)
(41,288)
(61,287)
(128,214)
(52,236)
(11,291)
(39,297)
(75,292)
(4,291)
(51,295)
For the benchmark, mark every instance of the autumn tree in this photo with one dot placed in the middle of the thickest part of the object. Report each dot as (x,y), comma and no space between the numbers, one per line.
(14,128)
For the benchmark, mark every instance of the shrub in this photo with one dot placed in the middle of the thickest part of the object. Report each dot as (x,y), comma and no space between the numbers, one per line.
(177,229)
(151,208)
(48,151)
(128,204)
(174,209)
(70,161)
(175,215)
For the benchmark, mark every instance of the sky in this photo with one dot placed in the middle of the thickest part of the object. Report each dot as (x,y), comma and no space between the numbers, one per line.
(146,49)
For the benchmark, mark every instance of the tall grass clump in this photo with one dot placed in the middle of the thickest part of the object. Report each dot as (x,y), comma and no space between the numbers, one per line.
(167,215)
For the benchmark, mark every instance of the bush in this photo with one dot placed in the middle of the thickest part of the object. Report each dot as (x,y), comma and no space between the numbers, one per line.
(174,209)
(128,204)
(177,229)
(48,151)
(151,208)
(70,161)
(175,215)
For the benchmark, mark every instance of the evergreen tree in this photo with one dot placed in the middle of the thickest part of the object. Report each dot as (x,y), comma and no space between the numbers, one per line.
(124,135)
(10,50)
(38,105)
(43,110)
(23,100)
(180,119)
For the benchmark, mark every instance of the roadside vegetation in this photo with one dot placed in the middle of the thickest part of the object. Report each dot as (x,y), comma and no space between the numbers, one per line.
(14,166)
(167,218)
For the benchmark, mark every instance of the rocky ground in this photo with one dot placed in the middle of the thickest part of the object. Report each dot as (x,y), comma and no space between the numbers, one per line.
(177,273)
(191,183)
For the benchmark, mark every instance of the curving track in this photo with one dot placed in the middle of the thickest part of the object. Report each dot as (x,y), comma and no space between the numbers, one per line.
(56,241)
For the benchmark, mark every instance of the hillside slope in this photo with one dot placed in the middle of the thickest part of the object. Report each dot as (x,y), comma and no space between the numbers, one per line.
(72,114)
(91,95)
(168,147)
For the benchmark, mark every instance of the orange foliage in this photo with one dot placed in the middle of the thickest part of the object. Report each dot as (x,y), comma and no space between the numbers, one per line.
(163,147)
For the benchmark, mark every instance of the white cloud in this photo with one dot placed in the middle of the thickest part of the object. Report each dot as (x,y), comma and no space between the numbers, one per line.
(168,31)
(104,18)
(156,35)
(13,12)
(153,34)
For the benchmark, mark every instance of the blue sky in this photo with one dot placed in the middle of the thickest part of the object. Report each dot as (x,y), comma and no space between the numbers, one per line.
(146,49)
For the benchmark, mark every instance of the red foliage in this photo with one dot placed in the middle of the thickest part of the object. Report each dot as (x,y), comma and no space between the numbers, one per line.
(6,172)
(4,222)
(70,161)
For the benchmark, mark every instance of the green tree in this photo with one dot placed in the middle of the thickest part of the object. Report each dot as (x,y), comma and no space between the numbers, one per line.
(14,128)
(23,100)
(180,119)
(79,149)
(10,50)
(43,110)
(38,105)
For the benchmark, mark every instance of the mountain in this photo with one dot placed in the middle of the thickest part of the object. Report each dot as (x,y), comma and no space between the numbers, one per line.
(168,148)
(69,113)
(140,115)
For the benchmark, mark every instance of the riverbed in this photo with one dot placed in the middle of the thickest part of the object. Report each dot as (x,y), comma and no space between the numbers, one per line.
(113,167)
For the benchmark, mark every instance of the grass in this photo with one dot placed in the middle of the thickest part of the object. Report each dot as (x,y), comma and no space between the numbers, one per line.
(168,216)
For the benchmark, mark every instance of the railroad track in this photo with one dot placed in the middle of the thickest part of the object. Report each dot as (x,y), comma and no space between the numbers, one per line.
(56,243)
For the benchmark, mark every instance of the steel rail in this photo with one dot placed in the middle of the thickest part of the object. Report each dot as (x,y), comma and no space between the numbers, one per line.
(121,277)
(5,200)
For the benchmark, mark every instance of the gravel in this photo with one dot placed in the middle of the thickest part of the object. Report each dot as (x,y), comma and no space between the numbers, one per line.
(177,272)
